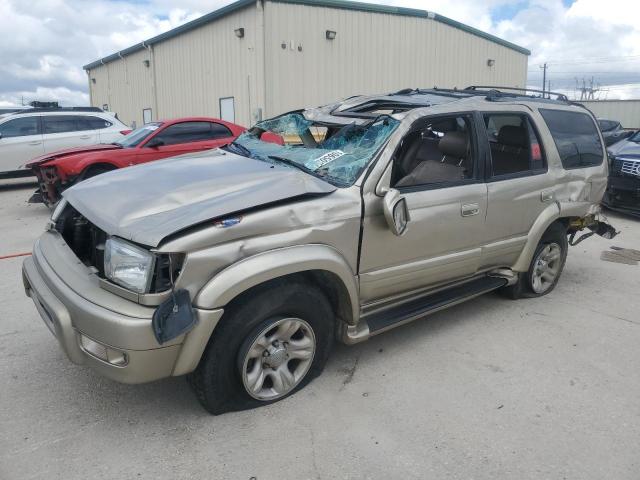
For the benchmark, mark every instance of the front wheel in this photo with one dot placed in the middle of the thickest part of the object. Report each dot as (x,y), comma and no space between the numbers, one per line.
(270,343)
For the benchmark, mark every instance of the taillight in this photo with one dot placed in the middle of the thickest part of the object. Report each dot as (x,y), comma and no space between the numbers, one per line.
(125,132)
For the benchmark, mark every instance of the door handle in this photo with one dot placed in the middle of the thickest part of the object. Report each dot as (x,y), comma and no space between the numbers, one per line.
(470,209)
(84,137)
(35,143)
(546,196)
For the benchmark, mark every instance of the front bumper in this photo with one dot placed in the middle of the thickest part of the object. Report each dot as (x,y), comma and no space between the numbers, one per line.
(72,305)
(623,192)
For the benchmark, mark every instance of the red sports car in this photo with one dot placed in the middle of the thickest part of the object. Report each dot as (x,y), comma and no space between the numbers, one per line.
(154,141)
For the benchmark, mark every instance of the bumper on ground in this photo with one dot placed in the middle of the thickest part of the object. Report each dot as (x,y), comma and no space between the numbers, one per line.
(118,346)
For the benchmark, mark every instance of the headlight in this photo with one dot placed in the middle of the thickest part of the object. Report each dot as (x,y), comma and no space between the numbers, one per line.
(58,210)
(128,265)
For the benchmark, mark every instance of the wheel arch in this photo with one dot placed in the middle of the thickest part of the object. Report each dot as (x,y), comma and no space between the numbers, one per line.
(320,265)
(548,217)
(100,164)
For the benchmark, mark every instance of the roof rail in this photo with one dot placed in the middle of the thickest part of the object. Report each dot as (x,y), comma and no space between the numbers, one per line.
(58,109)
(494,91)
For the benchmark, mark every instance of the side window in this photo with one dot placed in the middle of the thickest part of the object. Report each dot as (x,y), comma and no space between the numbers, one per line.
(20,127)
(187,132)
(514,145)
(438,151)
(220,131)
(60,124)
(576,137)
(92,123)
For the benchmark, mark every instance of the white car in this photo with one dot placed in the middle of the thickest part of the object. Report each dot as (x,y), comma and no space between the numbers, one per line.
(34,132)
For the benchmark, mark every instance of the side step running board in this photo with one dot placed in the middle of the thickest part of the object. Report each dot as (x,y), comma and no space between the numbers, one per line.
(378,322)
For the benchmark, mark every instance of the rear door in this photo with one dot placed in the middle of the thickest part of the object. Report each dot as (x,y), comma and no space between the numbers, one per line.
(519,185)
(184,137)
(65,131)
(20,141)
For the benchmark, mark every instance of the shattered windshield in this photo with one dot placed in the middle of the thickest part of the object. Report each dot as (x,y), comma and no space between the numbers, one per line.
(335,153)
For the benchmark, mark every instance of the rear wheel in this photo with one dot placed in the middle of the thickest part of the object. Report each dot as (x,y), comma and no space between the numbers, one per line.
(545,267)
(270,343)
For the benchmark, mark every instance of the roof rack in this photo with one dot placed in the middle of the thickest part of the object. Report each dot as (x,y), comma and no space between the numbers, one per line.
(498,91)
(58,109)
(491,93)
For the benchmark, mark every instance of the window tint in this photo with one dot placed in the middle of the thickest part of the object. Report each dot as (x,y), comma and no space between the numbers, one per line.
(187,132)
(220,131)
(438,152)
(92,123)
(576,138)
(514,145)
(60,124)
(20,127)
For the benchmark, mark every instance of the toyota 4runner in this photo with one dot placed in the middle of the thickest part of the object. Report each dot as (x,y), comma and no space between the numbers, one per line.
(240,266)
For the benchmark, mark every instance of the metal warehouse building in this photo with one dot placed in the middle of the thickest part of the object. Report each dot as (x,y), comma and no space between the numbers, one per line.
(258,58)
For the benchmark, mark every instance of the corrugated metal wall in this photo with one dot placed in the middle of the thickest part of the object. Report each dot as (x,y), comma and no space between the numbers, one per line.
(192,73)
(126,86)
(373,53)
(626,112)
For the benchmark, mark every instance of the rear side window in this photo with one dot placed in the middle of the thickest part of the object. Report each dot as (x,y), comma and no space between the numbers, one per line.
(188,132)
(576,137)
(20,127)
(92,123)
(514,145)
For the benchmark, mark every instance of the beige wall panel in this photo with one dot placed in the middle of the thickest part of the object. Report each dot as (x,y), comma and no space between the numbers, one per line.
(126,85)
(372,53)
(196,69)
(626,112)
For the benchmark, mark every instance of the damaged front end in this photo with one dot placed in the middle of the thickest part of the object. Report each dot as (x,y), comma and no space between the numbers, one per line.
(623,189)
(50,185)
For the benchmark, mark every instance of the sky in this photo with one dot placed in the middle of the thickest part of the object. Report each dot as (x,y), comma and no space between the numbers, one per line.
(45,43)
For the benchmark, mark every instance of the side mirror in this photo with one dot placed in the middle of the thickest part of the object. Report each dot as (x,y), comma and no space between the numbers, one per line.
(154,143)
(0,136)
(396,211)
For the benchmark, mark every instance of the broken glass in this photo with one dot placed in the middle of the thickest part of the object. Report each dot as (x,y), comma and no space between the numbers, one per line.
(337,153)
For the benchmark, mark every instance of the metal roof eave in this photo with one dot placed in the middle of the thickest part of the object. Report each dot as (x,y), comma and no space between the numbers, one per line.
(342,4)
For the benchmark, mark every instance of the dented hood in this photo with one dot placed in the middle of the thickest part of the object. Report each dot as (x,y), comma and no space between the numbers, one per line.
(624,147)
(71,151)
(146,203)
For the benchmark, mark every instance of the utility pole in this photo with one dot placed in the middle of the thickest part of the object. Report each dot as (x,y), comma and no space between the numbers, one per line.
(544,79)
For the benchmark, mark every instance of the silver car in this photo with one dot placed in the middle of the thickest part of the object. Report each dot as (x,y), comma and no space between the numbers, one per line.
(241,266)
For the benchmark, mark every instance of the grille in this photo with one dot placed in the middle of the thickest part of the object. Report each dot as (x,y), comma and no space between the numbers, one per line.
(630,167)
(83,237)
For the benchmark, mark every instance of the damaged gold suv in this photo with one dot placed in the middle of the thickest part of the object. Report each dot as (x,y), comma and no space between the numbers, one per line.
(241,266)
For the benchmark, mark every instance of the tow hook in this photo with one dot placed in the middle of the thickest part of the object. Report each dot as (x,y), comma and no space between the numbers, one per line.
(592,223)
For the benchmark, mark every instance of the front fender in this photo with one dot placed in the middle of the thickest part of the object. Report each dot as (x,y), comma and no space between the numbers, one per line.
(260,268)
(546,218)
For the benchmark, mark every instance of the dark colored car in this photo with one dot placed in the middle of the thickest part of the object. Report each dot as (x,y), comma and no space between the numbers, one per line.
(154,141)
(613,131)
(623,190)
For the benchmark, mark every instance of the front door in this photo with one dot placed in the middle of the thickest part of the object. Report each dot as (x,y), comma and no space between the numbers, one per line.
(436,169)
(20,141)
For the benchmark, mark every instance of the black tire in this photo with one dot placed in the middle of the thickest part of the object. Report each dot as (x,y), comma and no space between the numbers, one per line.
(217,381)
(556,234)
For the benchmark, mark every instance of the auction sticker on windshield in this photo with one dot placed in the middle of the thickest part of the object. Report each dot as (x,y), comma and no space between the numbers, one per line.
(327,158)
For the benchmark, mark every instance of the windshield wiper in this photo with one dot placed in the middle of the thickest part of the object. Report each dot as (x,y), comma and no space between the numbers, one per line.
(314,173)
(235,147)
(116,144)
